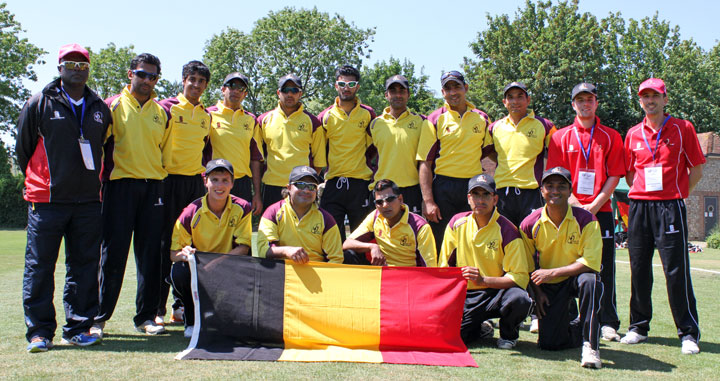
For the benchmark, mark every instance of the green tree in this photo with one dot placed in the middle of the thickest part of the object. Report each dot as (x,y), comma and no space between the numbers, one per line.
(372,85)
(109,68)
(306,42)
(17,57)
(168,89)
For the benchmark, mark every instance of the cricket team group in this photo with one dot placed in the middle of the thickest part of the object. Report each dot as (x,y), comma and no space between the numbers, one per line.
(173,176)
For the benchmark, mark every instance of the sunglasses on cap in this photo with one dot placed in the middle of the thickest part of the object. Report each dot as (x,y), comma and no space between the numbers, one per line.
(72,65)
(292,90)
(350,84)
(388,199)
(142,74)
(305,186)
(453,73)
(236,86)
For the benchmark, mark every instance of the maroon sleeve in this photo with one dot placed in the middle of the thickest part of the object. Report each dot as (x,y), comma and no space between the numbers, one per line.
(187,214)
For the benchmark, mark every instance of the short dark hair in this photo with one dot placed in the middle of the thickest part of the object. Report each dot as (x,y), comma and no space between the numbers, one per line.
(385,184)
(146,58)
(347,70)
(193,67)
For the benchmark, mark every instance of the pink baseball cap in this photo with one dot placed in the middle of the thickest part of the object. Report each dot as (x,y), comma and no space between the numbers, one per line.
(656,84)
(73,48)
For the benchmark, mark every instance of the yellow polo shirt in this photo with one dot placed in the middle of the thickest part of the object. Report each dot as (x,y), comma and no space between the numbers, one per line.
(396,141)
(135,138)
(577,239)
(409,243)
(455,143)
(316,232)
(189,129)
(496,249)
(235,137)
(200,228)
(290,141)
(348,139)
(520,150)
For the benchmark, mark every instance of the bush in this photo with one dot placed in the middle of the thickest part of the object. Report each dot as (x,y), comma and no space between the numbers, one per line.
(13,209)
(713,239)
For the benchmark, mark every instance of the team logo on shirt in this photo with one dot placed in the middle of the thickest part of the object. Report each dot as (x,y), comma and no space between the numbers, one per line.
(180,119)
(246,126)
(98,117)
(405,241)
(412,125)
(156,119)
(476,129)
(301,127)
(531,133)
(379,233)
(233,221)
(573,239)
(315,229)
(361,124)
(202,123)
(492,245)
(57,116)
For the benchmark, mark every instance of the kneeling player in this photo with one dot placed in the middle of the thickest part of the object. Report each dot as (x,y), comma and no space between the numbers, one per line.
(391,234)
(218,223)
(567,249)
(490,251)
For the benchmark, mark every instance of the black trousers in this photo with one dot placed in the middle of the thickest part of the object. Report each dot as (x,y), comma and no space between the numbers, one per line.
(412,197)
(271,194)
(511,305)
(560,328)
(242,188)
(180,279)
(661,225)
(450,194)
(516,203)
(345,196)
(180,191)
(608,301)
(48,223)
(132,210)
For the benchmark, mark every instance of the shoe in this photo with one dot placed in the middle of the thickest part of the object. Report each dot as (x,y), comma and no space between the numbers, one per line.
(150,328)
(97,329)
(506,344)
(177,317)
(188,332)
(534,326)
(81,340)
(39,344)
(690,347)
(633,337)
(609,333)
(160,320)
(590,357)
(486,330)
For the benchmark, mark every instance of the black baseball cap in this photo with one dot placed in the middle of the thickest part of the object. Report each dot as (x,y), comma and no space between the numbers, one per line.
(583,88)
(397,79)
(557,171)
(219,164)
(483,181)
(518,85)
(235,75)
(452,75)
(301,171)
(289,77)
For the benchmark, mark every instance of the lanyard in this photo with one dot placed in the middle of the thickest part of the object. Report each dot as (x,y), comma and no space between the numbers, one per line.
(72,107)
(657,140)
(582,149)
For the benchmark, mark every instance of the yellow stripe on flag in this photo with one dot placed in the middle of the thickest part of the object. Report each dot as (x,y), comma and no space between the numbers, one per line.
(332,353)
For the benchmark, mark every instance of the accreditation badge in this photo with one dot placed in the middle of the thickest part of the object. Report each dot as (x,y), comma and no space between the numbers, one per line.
(586,182)
(86,151)
(653,178)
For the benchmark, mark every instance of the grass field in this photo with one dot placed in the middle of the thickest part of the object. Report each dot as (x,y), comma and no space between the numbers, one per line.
(126,354)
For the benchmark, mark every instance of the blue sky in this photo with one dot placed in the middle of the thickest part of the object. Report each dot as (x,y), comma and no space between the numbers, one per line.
(434,35)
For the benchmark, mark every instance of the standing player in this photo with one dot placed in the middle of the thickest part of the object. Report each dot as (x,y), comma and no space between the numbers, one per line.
(345,125)
(60,134)
(595,156)
(392,235)
(133,195)
(291,137)
(395,135)
(492,255)
(664,164)
(235,136)
(183,160)
(452,142)
(564,253)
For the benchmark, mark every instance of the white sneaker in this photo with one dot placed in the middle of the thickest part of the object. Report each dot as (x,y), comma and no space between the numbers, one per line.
(590,357)
(689,347)
(609,333)
(506,344)
(150,328)
(486,330)
(633,337)
(534,326)
(97,329)
(160,320)
(177,317)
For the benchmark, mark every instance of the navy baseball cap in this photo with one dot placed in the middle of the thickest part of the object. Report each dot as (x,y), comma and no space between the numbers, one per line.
(512,85)
(301,171)
(219,164)
(452,75)
(557,171)
(583,88)
(483,181)
(397,79)
(235,75)
(289,77)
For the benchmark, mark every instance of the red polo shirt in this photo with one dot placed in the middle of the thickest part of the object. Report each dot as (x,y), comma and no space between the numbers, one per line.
(606,158)
(678,150)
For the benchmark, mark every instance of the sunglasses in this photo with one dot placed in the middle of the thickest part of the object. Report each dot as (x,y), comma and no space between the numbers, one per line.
(388,199)
(305,186)
(453,73)
(292,90)
(72,65)
(236,86)
(350,84)
(142,74)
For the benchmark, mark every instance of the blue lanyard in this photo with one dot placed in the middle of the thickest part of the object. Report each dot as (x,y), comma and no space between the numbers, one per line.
(582,149)
(657,140)
(72,107)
